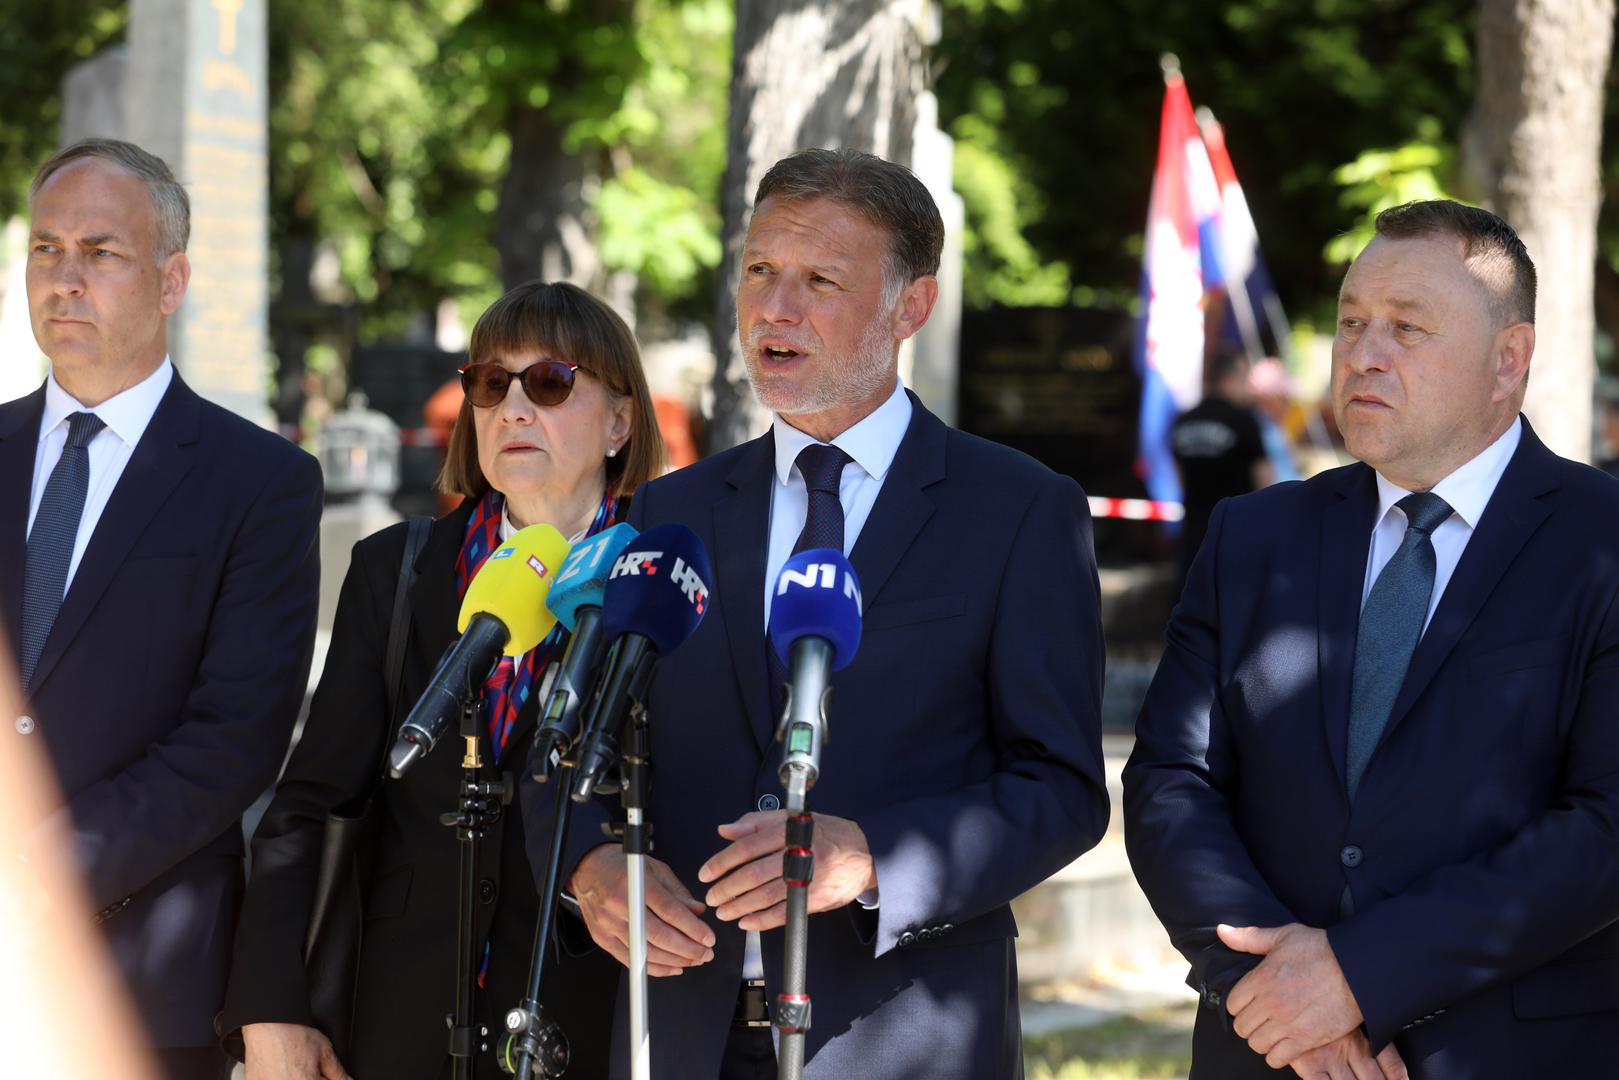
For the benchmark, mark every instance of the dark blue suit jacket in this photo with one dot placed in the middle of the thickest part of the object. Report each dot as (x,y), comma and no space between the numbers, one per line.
(1482,849)
(168,687)
(965,741)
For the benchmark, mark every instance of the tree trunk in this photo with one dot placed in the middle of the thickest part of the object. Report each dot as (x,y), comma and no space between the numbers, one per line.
(1532,151)
(542,222)
(827,73)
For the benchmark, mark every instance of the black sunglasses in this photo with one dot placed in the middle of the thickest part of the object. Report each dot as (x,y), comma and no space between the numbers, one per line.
(546,382)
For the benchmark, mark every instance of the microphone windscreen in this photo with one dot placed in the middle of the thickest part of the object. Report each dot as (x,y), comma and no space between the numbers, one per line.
(817,595)
(658,587)
(512,585)
(584,573)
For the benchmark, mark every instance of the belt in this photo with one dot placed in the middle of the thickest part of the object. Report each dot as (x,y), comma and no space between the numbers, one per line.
(752,1009)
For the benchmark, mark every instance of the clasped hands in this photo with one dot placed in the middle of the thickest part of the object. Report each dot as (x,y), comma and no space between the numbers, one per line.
(1297,1010)
(745,887)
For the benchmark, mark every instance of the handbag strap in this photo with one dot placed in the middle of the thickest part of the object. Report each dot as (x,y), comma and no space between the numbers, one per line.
(394,659)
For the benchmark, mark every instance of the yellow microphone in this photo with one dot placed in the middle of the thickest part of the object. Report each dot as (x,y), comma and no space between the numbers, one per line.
(513,584)
(504,611)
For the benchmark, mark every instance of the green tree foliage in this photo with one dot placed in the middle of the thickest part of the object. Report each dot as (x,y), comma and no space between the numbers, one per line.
(1065,99)
(38,44)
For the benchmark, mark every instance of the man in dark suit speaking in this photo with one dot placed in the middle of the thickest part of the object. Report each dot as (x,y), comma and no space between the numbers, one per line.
(964,761)
(157,586)
(1375,790)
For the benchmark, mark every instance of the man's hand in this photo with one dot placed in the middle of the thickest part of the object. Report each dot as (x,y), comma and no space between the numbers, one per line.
(289,1052)
(1350,1058)
(748,886)
(1296,999)
(676,938)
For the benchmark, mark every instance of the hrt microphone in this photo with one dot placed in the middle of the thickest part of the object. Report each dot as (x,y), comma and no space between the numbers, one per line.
(576,601)
(815,630)
(503,612)
(656,594)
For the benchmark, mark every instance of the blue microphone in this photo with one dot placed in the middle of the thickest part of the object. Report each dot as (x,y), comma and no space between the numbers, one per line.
(576,600)
(815,629)
(656,594)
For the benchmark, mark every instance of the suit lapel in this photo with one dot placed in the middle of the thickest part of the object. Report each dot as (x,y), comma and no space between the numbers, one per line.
(740,541)
(1346,537)
(901,508)
(159,462)
(19,444)
(1510,518)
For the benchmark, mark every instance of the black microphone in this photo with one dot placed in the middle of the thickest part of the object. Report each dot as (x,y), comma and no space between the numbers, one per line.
(503,612)
(576,601)
(656,595)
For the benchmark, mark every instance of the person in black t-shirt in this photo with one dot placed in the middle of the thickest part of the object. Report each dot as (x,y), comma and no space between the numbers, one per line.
(1218,447)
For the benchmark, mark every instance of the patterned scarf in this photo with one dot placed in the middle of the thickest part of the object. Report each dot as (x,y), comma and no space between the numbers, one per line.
(513,680)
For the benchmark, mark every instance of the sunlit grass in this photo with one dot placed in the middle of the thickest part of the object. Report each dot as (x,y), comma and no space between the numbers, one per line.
(1153,1046)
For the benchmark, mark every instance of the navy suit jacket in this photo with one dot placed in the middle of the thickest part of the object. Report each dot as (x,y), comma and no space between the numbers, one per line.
(964,740)
(1482,848)
(168,688)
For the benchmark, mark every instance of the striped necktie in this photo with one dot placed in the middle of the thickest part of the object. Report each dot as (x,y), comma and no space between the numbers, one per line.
(50,543)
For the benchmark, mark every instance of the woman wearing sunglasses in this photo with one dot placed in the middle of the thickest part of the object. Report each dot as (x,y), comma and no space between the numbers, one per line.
(557,427)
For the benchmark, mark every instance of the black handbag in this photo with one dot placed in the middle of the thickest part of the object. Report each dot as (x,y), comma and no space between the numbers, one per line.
(332,945)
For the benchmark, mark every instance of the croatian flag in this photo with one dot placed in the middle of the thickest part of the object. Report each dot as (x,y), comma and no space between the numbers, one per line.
(1251,300)
(1182,261)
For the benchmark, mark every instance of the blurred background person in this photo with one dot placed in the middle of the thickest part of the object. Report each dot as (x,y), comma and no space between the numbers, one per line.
(1609,413)
(557,428)
(1219,449)
(1281,417)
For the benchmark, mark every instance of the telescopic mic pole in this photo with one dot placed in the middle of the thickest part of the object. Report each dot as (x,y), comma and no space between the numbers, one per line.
(815,629)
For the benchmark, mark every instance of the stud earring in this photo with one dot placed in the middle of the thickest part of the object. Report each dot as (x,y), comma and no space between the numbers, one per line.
(613,452)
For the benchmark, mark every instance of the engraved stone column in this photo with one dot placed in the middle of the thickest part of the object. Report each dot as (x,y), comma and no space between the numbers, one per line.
(196,98)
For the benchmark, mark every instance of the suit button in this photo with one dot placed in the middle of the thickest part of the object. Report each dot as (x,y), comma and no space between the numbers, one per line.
(907,939)
(1350,856)
(926,934)
(769,802)
(487,891)
(25,725)
(946,928)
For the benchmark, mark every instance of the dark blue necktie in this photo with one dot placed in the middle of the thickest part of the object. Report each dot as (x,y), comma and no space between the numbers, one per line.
(1390,627)
(50,543)
(822,468)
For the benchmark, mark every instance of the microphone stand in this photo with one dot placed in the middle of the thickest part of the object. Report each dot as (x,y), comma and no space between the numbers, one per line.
(636,834)
(803,730)
(479,806)
(541,1045)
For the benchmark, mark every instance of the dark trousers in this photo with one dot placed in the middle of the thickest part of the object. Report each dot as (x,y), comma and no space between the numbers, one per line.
(749,1055)
(192,1063)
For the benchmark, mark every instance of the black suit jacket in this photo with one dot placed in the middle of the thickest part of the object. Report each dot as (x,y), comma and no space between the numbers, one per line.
(1482,848)
(169,684)
(408,961)
(964,739)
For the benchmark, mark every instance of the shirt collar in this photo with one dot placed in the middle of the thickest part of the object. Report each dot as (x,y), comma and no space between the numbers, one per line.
(126,413)
(1468,489)
(872,443)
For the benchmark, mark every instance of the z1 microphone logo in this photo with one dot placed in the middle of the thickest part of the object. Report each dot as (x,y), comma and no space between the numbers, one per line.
(635,563)
(690,584)
(582,559)
(819,576)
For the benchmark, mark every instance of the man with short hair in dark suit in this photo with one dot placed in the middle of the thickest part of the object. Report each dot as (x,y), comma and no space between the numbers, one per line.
(158,577)
(1375,790)
(964,759)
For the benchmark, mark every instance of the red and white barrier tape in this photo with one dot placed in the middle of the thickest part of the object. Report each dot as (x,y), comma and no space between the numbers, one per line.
(1136,509)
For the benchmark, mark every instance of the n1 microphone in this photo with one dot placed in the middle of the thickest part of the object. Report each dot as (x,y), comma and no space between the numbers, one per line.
(815,629)
(576,601)
(656,594)
(503,612)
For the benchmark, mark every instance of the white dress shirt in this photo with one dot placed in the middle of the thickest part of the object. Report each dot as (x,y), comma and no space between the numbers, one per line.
(1467,491)
(126,415)
(872,444)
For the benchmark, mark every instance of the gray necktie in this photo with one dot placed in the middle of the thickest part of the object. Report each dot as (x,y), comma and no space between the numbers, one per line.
(1390,627)
(50,543)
